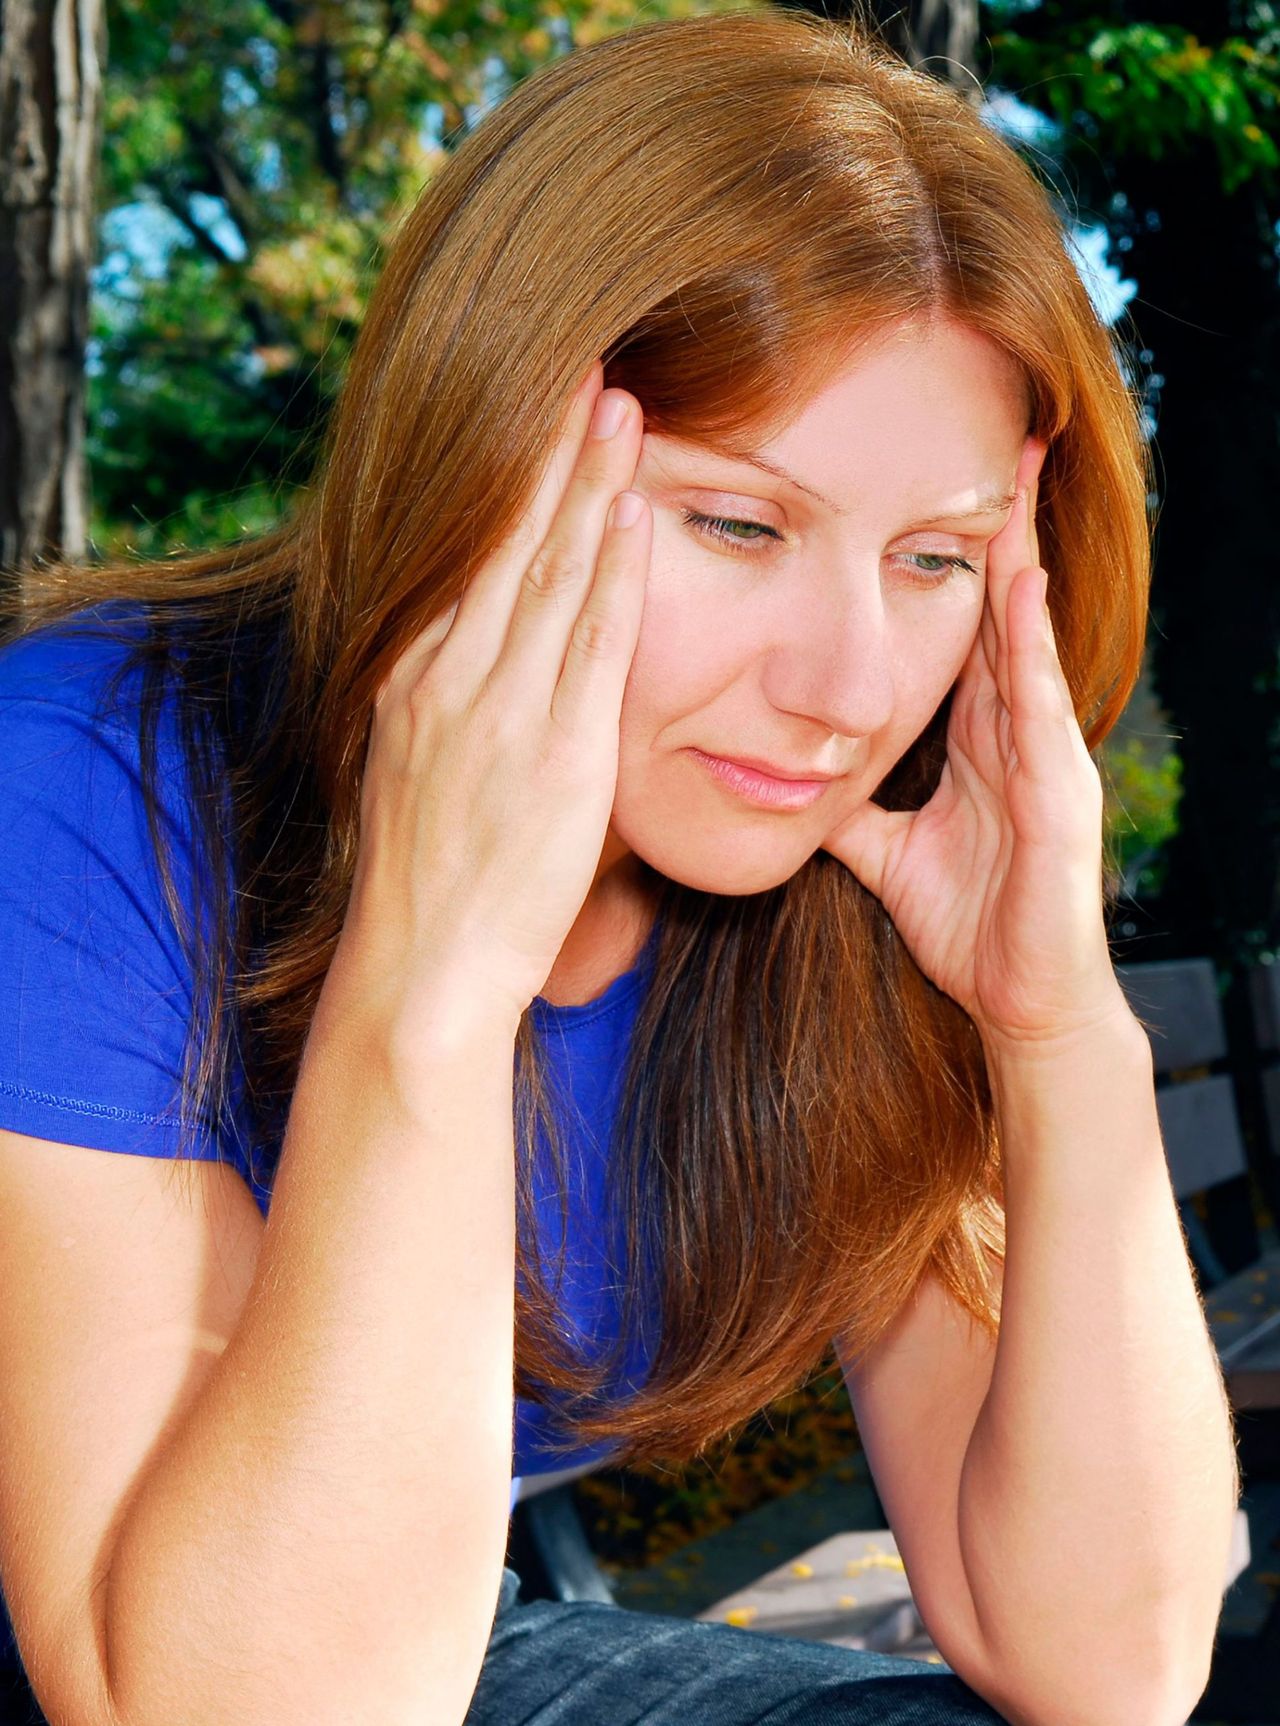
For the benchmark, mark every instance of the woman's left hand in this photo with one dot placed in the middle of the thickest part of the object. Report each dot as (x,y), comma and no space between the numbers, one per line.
(996,884)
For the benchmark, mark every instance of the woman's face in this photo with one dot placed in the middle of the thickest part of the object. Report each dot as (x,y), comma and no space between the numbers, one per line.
(824,626)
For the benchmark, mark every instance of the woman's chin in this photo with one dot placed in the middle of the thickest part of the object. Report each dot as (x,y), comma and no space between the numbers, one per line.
(727,863)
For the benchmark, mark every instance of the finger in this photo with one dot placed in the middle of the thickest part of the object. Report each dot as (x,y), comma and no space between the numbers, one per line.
(1005,557)
(1045,731)
(603,640)
(865,842)
(556,585)
(484,611)
(1012,549)
(418,653)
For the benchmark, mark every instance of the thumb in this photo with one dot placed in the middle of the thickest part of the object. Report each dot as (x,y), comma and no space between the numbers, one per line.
(865,841)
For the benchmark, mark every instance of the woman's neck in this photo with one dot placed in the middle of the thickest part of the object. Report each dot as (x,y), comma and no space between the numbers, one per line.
(606,939)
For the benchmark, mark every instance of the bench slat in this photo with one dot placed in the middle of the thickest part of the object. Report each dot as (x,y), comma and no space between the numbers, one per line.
(851,1590)
(1177,1000)
(1201,1132)
(1264,993)
(1244,1317)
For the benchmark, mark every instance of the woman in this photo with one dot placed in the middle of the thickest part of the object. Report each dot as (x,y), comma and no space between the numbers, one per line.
(409,879)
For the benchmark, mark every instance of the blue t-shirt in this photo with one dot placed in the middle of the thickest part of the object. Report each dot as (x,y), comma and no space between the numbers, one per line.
(95,991)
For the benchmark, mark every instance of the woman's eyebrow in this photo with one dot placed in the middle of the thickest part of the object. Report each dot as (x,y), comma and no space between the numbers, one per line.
(781,473)
(996,504)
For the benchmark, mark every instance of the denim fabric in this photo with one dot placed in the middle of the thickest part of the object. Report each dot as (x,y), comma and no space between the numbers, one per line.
(583,1663)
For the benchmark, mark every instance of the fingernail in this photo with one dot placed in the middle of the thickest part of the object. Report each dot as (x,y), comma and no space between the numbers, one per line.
(626,509)
(608,415)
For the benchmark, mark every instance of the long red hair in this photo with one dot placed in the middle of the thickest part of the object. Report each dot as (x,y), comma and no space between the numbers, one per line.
(722,207)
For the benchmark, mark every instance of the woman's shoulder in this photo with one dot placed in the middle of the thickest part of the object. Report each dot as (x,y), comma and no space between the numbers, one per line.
(71,706)
(96,980)
(72,660)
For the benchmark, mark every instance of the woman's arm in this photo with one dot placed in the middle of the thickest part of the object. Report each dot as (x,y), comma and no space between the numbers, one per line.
(1062,1497)
(1094,1501)
(338,1502)
(1099,1485)
(322,1538)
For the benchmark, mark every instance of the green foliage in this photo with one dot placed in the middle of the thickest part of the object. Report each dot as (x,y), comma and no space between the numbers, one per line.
(276,142)
(1154,91)
(272,144)
(1142,778)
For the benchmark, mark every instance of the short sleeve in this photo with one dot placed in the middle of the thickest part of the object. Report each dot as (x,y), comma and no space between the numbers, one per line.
(95,990)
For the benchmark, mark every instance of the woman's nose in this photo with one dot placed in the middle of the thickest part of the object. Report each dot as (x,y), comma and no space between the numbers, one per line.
(828,654)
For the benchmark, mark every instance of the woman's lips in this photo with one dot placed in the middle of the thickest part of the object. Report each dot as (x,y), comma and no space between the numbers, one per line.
(760,788)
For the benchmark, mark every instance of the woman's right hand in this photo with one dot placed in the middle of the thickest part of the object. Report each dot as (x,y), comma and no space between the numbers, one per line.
(493,756)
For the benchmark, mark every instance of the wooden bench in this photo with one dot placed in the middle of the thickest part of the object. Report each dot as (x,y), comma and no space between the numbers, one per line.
(1177,1000)
(850,1589)
(548,1543)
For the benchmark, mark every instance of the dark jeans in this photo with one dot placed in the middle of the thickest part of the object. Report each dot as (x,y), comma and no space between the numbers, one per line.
(582,1663)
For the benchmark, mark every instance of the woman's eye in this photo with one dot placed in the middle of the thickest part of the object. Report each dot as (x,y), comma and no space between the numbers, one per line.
(723,528)
(932,568)
(937,564)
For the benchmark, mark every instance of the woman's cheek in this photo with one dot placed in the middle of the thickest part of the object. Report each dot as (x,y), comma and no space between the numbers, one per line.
(684,644)
(941,650)
(927,671)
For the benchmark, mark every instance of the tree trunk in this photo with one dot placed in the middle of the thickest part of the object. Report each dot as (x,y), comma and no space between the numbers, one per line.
(51,58)
(939,36)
